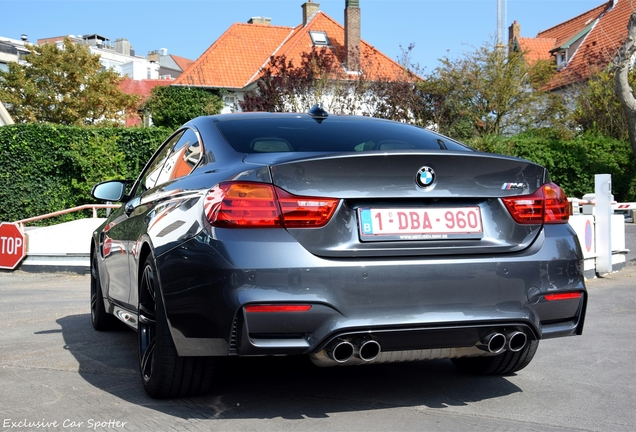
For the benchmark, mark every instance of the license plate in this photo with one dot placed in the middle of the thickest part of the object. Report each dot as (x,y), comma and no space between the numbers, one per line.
(438,223)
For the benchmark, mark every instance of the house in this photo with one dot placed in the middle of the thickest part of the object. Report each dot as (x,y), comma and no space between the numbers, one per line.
(12,50)
(580,46)
(170,65)
(119,56)
(236,60)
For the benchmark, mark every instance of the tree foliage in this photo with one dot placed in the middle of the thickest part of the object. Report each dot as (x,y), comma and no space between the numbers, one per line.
(320,78)
(63,85)
(172,106)
(599,109)
(490,91)
(571,160)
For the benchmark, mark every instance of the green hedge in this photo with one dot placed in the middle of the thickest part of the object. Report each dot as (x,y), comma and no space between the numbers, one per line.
(46,168)
(572,161)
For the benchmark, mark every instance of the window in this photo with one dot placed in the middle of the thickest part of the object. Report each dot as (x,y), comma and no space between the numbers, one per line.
(176,159)
(319,38)
(334,134)
(150,177)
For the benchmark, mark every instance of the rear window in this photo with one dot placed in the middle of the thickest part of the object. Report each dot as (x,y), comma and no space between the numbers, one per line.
(344,134)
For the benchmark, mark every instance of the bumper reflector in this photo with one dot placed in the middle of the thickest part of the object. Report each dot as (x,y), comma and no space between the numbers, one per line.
(563,296)
(277,308)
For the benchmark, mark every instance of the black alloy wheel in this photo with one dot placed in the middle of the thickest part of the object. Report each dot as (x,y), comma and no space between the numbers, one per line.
(164,373)
(147,327)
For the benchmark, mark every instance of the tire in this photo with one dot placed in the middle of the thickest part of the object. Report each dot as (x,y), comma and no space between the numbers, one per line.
(503,364)
(164,373)
(101,320)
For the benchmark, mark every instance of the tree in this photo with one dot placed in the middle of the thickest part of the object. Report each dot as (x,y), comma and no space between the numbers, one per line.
(489,91)
(599,109)
(623,63)
(64,85)
(320,78)
(172,106)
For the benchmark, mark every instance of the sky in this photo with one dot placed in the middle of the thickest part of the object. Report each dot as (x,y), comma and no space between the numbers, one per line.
(436,28)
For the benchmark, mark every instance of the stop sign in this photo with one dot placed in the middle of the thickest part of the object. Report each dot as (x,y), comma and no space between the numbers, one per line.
(12,245)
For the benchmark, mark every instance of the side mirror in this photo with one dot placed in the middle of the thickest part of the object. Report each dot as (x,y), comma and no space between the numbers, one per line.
(112,190)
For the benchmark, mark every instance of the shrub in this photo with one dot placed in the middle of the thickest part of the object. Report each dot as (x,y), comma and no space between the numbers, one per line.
(46,168)
(572,161)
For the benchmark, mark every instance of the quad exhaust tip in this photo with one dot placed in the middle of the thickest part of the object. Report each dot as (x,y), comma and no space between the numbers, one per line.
(368,350)
(516,341)
(340,351)
(493,343)
(496,342)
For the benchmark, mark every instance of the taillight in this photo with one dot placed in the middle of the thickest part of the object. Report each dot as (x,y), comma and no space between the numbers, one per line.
(242,205)
(548,204)
(299,212)
(258,205)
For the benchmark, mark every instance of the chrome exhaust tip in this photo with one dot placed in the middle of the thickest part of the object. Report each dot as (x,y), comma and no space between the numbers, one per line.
(493,343)
(340,351)
(516,341)
(369,350)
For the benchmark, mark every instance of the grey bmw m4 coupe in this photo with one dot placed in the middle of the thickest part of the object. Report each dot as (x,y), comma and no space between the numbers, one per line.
(352,240)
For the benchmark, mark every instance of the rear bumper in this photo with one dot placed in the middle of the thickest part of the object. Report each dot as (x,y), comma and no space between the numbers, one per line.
(405,304)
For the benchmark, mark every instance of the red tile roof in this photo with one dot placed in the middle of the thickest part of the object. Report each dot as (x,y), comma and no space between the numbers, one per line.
(536,48)
(142,87)
(566,30)
(233,59)
(182,62)
(239,56)
(599,46)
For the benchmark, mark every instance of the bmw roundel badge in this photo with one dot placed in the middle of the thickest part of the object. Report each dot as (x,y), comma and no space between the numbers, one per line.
(425,177)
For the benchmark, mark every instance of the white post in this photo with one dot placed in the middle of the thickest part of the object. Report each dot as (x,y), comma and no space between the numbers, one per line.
(603,207)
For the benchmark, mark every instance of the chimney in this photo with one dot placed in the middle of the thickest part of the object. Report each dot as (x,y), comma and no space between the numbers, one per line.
(514,32)
(122,46)
(260,20)
(352,35)
(153,56)
(309,10)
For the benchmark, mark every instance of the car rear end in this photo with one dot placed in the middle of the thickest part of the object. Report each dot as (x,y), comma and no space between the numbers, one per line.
(378,255)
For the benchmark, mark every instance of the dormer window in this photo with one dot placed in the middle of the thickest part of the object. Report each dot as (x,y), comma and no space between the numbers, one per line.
(562,58)
(319,38)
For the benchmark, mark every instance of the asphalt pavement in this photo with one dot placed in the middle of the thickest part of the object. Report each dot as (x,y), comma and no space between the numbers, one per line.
(57,373)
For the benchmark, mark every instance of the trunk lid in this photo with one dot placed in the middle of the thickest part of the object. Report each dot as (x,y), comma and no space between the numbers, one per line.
(411,203)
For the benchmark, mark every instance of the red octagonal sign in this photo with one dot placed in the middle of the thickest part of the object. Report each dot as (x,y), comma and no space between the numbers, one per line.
(12,245)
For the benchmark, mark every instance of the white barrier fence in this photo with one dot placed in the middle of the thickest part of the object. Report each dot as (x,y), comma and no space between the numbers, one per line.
(599,223)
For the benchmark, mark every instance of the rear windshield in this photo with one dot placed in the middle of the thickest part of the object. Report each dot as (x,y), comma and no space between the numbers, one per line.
(345,134)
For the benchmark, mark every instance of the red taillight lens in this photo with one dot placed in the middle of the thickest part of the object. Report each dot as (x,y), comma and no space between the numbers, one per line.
(557,208)
(242,205)
(257,205)
(305,212)
(277,308)
(548,204)
(563,296)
